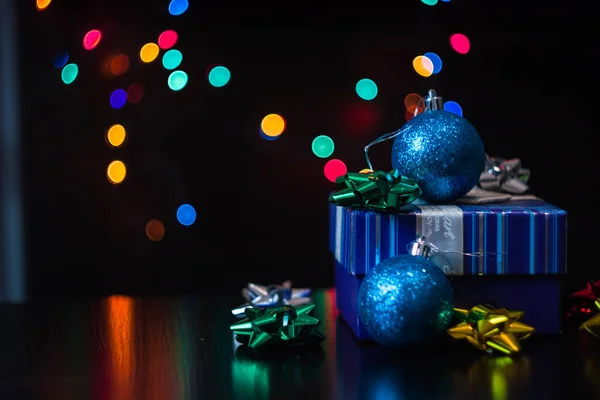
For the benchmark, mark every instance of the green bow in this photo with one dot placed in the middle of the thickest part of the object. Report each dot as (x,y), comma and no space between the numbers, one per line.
(378,191)
(284,324)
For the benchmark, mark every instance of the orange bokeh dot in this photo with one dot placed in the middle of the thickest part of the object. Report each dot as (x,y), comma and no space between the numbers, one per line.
(411,100)
(149,52)
(116,135)
(41,5)
(414,110)
(155,230)
(272,125)
(116,172)
(423,66)
(119,65)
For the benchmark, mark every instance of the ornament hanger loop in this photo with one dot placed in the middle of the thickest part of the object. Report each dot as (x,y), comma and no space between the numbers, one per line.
(431,102)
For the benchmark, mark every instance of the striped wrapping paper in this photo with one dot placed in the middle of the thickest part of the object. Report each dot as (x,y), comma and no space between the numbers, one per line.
(524,237)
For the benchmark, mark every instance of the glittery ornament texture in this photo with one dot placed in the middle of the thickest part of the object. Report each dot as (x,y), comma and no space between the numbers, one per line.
(405,299)
(442,152)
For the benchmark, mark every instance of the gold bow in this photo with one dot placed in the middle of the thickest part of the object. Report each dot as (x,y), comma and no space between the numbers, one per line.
(491,329)
(592,325)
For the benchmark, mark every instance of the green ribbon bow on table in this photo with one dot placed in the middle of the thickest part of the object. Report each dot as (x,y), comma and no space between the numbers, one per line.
(278,325)
(378,191)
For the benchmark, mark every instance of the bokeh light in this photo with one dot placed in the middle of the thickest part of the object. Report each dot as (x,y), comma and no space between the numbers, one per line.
(219,76)
(423,66)
(177,80)
(69,73)
(118,98)
(262,135)
(360,118)
(435,60)
(60,60)
(460,43)
(429,2)
(366,89)
(411,100)
(167,39)
(116,172)
(155,230)
(178,7)
(92,39)
(119,65)
(272,125)
(186,215)
(323,146)
(149,52)
(334,169)
(41,5)
(414,109)
(365,171)
(172,59)
(116,134)
(135,93)
(453,107)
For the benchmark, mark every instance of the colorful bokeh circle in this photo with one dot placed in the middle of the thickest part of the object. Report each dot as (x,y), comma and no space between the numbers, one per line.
(186,215)
(460,43)
(323,146)
(334,169)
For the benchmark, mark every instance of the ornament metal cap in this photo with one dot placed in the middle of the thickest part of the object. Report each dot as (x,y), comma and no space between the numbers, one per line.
(420,247)
(433,101)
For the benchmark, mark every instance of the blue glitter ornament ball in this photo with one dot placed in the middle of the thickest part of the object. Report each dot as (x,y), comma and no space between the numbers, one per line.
(405,299)
(442,152)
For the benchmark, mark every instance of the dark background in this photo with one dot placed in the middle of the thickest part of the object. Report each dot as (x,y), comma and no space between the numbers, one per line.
(528,85)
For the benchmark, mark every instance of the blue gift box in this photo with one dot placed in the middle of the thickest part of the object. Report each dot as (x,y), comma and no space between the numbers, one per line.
(518,246)
(512,238)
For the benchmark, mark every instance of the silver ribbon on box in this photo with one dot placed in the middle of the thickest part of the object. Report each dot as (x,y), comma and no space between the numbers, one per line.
(261,296)
(443,228)
(501,175)
(501,180)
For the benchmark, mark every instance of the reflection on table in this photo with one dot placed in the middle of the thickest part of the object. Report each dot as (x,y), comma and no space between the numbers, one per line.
(181,348)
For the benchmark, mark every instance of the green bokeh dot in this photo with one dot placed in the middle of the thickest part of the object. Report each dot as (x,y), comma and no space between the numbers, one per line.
(219,76)
(323,146)
(366,89)
(172,59)
(177,80)
(69,73)
(429,2)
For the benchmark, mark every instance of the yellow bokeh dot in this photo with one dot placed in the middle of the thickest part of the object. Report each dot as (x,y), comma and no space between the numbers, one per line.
(365,171)
(116,172)
(423,66)
(116,135)
(272,125)
(42,4)
(149,52)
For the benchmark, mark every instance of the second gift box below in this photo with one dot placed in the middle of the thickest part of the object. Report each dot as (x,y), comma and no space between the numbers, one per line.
(539,297)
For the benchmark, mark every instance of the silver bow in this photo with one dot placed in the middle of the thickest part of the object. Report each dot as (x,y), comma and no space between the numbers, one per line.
(502,175)
(261,296)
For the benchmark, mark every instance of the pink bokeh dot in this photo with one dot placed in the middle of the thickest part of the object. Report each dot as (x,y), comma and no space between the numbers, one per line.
(334,169)
(92,39)
(460,43)
(167,39)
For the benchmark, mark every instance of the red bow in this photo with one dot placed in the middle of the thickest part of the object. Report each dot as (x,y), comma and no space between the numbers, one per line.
(583,304)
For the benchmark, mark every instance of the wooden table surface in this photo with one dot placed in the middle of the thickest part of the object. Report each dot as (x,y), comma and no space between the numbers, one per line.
(174,348)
